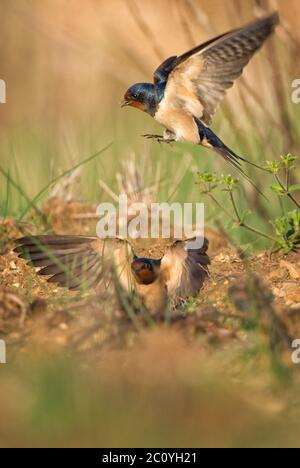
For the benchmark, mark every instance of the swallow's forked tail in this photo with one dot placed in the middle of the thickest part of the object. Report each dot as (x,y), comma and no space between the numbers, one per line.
(211,140)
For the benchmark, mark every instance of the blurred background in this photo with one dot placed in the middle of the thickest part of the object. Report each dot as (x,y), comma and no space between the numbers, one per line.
(68,64)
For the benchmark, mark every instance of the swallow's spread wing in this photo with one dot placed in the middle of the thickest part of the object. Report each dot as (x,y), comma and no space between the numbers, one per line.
(77,262)
(198,80)
(185,268)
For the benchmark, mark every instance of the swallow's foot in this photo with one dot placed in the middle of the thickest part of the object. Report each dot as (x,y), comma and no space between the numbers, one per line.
(151,136)
(158,138)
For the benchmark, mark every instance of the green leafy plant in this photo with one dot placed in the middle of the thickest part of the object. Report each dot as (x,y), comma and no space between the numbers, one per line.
(284,168)
(287,229)
(286,235)
(210,182)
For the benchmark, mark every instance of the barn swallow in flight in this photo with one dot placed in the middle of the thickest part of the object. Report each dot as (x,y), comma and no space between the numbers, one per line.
(187,89)
(78,262)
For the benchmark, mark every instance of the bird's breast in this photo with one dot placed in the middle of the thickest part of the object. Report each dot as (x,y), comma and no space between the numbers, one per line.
(154,296)
(177,121)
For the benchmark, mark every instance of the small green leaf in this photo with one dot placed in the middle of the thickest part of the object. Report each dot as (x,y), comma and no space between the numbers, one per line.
(278,190)
(273,166)
(288,160)
(229,182)
(287,230)
(207,178)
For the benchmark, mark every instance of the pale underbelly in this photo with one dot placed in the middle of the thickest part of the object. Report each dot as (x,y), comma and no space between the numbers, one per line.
(182,125)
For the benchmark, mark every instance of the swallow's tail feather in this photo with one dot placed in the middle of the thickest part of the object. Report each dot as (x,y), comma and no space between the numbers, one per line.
(70,261)
(211,140)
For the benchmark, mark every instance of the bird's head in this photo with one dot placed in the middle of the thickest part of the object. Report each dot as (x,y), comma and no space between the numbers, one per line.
(145,270)
(142,96)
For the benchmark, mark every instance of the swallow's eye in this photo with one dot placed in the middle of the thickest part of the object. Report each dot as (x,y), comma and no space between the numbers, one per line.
(134,96)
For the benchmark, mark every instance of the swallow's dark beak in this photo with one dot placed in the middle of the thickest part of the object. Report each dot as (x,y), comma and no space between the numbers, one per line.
(125,103)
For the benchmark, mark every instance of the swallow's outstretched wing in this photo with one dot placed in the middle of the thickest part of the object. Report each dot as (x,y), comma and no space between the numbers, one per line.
(77,262)
(198,80)
(185,268)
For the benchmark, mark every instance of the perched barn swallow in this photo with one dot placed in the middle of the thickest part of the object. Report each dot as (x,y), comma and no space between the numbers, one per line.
(187,89)
(78,262)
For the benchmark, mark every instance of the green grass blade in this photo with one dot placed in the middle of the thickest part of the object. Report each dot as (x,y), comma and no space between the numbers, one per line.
(33,202)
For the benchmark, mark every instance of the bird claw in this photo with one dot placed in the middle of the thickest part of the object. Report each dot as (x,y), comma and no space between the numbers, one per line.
(159,138)
(150,136)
